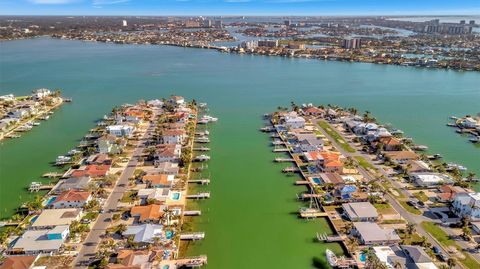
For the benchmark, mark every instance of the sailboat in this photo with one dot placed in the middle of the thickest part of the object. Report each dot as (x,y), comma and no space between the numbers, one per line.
(331,258)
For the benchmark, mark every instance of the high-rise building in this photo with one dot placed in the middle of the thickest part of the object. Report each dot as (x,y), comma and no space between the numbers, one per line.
(351,43)
(472,22)
(268,43)
(192,24)
(124,23)
(462,22)
(288,22)
(218,24)
(249,45)
(207,23)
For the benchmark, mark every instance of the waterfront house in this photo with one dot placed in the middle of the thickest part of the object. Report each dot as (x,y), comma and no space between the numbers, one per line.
(120,130)
(99,159)
(467,205)
(158,180)
(133,259)
(447,193)
(294,121)
(19,262)
(168,168)
(155,103)
(147,213)
(50,218)
(378,134)
(469,123)
(158,194)
(390,143)
(144,233)
(313,111)
(91,170)
(416,166)
(177,100)
(7,98)
(408,256)
(401,157)
(430,179)
(71,199)
(167,153)
(362,211)
(40,94)
(173,136)
(107,144)
(333,179)
(72,183)
(369,233)
(47,241)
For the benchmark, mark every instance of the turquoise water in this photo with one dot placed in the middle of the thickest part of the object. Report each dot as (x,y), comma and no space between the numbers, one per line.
(169,234)
(176,196)
(250,195)
(363,257)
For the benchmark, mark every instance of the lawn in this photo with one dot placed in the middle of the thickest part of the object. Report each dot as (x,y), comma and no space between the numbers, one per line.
(410,208)
(364,163)
(384,209)
(421,196)
(336,136)
(443,238)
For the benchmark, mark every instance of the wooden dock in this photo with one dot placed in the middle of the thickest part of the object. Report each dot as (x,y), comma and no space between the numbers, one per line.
(192,236)
(302,182)
(201,149)
(312,214)
(291,169)
(192,213)
(52,175)
(202,195)
(203,181)
(280,150)
(329,238)
(280,160)
(192,262)
(304,196)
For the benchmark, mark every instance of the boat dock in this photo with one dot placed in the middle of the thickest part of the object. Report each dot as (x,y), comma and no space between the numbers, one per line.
(201,149)
(52,175)
(329,238)
(267,129)
(310,214)
(278,142)
(203,181)
(291,169)
(192,213)
(37,186)
(280,150)
(304,196)
(202,195)
(192,262)
(280,160)
(302,182)
(192,236)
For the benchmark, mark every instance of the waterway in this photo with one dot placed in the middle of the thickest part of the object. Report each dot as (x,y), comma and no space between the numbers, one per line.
(249,221)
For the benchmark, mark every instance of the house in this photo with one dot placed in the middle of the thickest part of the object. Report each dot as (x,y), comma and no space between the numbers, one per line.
(107,144)
(332,178)
(144,233)
(467,205)
(168,168)
(71,199)
(430,179)
(91,170)
(7,98)
(411,257)
(101,158)
(416,166)
(19,262)
(159,194)
(294,122)
(313,111)
(147,213)
(362,211)
(177,100)
(48,241)
(173,136)
(369,233)
(120,130)
(401,157)
(73,183)
(417,257)
(158,180)
(469,122)
(167,153)
(41,94)
(447,193)
(50,218)
(133,259)
(390,143)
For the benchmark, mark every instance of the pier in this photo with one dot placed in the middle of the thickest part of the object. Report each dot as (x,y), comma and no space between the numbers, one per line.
(278,142)
(304,196)
(302,182)
(329,238)
(280,150)
(192,236)
(201,149)
(52,175)
(312,213)
(192,262)
(291,169)
(37,186)
(202,195)
(280,160)
(192,213)
(203,181)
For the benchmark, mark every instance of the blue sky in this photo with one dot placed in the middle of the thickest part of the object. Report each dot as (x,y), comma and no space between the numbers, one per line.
(240,7)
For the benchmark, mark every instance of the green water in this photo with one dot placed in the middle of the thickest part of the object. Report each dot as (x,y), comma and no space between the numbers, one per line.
(249,220)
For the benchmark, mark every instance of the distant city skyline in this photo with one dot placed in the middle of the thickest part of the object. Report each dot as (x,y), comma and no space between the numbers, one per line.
(239,7)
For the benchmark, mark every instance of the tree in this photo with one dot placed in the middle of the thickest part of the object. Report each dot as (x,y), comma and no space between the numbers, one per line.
(410,229)
(470,176)
(451,262)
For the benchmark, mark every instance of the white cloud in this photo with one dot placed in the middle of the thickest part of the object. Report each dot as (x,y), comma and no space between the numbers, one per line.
(108,2)
(237,1)
(52,2)
(298,1)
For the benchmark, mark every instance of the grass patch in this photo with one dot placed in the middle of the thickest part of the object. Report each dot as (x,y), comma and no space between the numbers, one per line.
(90,215)
(129,197)
(410,208)
(336,136)
(364,163)
(421,196)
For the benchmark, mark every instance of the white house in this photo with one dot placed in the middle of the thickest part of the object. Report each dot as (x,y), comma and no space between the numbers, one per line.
(429,179)
(7,97)
(173,136)
(41,93)
(467,204)
(294,121)
(120,130)
(469,122)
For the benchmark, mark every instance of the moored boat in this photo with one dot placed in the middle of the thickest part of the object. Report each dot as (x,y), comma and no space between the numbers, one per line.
(331,258)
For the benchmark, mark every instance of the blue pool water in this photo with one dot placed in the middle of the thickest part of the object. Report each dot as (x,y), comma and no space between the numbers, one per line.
(169,234)
(363,257)
(34,219)
(51,200)
(166,267)
(316,180)
(176,196)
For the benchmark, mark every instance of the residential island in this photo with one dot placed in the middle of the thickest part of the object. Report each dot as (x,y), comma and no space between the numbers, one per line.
(380,40)
(389,204)
(469,125)
(20,114)
(122,200)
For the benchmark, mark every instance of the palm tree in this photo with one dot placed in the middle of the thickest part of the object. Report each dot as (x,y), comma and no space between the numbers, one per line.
(366,116)
(470,176)
(397,265)
(410,229)
(451,262)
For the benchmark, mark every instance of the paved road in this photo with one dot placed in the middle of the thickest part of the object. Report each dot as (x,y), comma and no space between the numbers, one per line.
(392,200)
(89,247)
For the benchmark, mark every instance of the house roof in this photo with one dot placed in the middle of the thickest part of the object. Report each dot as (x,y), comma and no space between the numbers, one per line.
(18,262)
(370,231)
(147,212)
(145,232)
(173,132)
(72,196)
(93,170)
(333,163)
(332,178)
(77,183)
(416,253)
(390,141)
(360,210)
(54,217)
(36,240)
(402,155)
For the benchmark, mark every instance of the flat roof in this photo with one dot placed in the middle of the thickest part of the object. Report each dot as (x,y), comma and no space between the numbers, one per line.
(360,210)
(54,217)
(36,240)
(370,231)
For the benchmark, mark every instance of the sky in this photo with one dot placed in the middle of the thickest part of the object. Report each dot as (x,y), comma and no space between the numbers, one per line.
(240,7)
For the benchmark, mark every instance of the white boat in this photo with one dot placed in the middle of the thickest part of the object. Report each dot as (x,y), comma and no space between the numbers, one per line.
(202,158)
(202,105)
(45,117)
(73,152)
(331,258)
(475,139)
(62,160)
(451,166)
(208,119)
(420,148)
(36,123)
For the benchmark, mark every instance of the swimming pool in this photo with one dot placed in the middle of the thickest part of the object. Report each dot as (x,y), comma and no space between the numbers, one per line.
(176,196)
(363,257)
(51,200)
(169,234)
(316,180)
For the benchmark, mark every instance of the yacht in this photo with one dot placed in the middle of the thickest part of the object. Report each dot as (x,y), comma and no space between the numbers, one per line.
(451,166)
(331,258)
(475,139)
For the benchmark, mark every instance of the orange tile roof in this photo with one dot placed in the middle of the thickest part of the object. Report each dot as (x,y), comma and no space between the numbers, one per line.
(72,196)
(160,179)
(92,170)
(147,212)
(18,262)
(333,163)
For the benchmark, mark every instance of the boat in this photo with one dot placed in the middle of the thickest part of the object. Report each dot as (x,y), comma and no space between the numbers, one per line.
(62,160)
(420,148)
(45,117)
(24,128)
(202,105)
(36,123)
(202,158)
(12,136)
(73,152)
(453,118)
(331,258)
(451,166)
(396,132)
(435,156)
(474,139)
(207,118)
